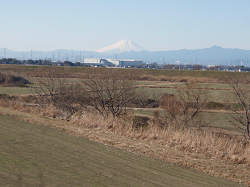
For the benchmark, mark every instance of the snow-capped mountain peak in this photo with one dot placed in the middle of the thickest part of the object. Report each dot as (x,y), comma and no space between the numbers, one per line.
(121,47)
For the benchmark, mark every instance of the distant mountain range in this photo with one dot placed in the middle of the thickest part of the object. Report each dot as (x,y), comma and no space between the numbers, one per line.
(126,49)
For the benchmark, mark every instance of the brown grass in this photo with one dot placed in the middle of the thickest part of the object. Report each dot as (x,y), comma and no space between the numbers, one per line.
(192,140)
(177,79)
(138,74)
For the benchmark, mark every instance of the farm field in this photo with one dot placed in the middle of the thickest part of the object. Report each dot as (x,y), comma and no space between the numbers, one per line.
(11,91)
(151,72)
(33,155)
(155,89)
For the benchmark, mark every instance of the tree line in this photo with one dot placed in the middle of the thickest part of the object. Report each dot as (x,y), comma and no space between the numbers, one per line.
(40,62)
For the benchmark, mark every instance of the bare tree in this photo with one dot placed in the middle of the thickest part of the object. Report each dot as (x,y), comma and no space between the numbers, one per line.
(109,91)
(54,89)
(184,107)
(241,104)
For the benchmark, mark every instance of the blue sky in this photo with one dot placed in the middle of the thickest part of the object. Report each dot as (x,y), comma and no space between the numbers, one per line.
(157,25)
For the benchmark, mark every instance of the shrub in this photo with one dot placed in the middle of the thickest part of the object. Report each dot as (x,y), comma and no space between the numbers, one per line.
(214,105)
(140,121)
(7,79)
(4,96)
(184,108)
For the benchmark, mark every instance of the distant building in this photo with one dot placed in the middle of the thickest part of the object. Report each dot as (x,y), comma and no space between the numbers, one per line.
(111,62)
(92,60)
(114,61)
(130,62)
(97,62)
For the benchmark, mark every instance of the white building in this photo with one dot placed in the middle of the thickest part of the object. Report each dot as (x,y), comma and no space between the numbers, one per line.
(126,62)
(92,60)
(110,62)
(114,61)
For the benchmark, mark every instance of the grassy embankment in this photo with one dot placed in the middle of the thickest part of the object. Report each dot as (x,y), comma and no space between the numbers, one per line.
(33,155)
(203,151)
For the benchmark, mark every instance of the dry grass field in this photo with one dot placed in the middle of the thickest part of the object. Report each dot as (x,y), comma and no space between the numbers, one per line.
(145,74)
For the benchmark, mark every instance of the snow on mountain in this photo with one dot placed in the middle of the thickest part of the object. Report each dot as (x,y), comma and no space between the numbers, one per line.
(121,47)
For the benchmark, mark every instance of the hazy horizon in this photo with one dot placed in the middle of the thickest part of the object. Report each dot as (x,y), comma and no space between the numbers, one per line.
(160,25)
(114,53)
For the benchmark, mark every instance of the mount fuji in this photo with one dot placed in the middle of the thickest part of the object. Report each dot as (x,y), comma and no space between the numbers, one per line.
(121,47)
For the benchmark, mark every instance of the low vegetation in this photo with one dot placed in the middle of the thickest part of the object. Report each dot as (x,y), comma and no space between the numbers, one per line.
(7,79)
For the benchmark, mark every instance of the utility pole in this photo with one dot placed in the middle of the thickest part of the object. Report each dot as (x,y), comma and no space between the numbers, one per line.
(31,54)
(4,52)
(59,56)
